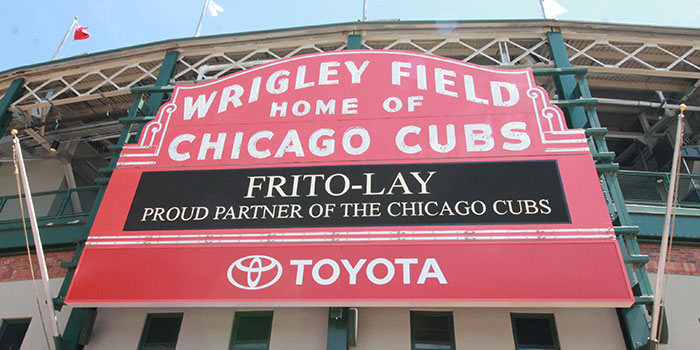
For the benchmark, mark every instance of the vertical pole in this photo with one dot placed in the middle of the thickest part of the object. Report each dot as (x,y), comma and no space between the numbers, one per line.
(542,8)
(70,183)
(14,92)
(167,70)
(566,84)
(670,199)
(354,42)
(337,338)
(37,239)
(63,42)
(364,10)
(201,17)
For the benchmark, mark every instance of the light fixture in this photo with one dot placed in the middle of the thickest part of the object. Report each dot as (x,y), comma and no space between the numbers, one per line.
(54,145)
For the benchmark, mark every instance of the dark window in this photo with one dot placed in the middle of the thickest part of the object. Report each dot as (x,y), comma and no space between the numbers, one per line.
(432,330)
(534,331)
(161,331)
(251,330)
(12,333)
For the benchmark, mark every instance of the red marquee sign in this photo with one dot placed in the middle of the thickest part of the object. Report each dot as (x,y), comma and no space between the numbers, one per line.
(355,178)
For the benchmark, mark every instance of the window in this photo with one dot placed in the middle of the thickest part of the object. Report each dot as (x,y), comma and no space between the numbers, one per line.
(12,333)
(432,330)
(251,330)
(534,331)
(161,331)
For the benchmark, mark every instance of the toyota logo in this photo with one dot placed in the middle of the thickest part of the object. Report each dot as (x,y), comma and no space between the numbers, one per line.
(253,272)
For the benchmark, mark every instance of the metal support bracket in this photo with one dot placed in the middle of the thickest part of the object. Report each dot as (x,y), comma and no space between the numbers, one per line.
(337,329)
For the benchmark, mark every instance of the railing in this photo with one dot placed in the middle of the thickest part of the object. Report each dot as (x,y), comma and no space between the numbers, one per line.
(644,187)
(640,187)
(51,204)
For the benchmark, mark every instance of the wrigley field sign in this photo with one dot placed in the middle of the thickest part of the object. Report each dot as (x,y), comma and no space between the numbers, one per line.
(363,178)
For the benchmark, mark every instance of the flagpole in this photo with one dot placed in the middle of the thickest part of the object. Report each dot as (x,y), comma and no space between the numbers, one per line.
(364,10)
(63,42)
(201,17)
(660,275)
(37,239)
(542,8)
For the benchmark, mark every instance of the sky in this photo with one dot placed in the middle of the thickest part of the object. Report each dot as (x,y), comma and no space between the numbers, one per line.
(31,30)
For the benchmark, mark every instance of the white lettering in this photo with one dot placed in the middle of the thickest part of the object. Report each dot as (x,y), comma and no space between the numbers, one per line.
(395,101)
(254,90)
(317,276)
(301,112)
(253,144)
(326,71)
(406,263)
(352,270)
(515,131)
(434,139)
(347,138)
(422,82)
(237,141)
(389,271)
(325,108)
(513,95)
(301,74)
(282,108)
(201,106)
(397,73)
(300,269)
(217,146)
(401,139)
(441,81)
(327,145)
(226,97)
(355,72)
(349,106)
(470,92)
(478,137)
(291,143)
(172,149)
(425,273)
(275,78)
(413,102)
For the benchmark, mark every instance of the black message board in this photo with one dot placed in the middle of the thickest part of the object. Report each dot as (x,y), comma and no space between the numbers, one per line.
(351,196)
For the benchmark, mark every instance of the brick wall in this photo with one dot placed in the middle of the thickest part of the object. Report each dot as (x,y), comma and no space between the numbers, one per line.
(16,267)
(684,260)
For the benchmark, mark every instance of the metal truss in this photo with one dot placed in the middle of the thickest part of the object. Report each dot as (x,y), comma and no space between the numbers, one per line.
(637,56)
(103,82)
(86,85)
(502,51)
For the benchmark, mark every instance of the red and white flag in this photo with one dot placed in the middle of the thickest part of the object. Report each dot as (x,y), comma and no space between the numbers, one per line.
(80,33)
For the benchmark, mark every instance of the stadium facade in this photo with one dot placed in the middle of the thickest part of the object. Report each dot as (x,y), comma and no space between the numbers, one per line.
(81,120)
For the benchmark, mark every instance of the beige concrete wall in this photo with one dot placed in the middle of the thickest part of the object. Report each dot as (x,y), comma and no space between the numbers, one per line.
(378,328)
(201,328)
(298,329)
(204,329)
(588,329)
(45,175)
(210,328)
(18,301)
(683,311)
(383,328)
(483,329)
(490,328)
